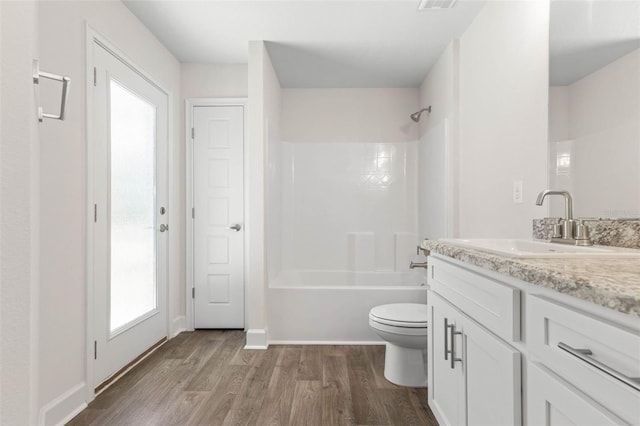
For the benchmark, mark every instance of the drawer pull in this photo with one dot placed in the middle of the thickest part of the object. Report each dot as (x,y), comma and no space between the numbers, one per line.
(583,354)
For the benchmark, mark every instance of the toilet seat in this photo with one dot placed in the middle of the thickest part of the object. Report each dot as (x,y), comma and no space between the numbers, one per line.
(407,315)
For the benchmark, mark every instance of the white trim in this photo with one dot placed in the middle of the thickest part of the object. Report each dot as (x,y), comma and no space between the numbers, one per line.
(329,342)
(91,37)
(256,339)
(65,407)
(114,379)
(178,325)
(189,105)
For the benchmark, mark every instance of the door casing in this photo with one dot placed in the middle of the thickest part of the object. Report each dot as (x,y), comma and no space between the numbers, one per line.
(190,104)
(91,37)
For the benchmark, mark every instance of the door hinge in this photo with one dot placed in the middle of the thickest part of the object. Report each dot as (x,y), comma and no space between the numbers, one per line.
(193,212)
(193,133)
(193,292)
(95,349)
(95,76)
(95,213)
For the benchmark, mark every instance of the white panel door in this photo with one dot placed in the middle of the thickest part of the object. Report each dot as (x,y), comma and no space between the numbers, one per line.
(218,171)
(129,174)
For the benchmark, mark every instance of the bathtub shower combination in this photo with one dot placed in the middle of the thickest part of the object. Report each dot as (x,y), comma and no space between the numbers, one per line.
(341,232)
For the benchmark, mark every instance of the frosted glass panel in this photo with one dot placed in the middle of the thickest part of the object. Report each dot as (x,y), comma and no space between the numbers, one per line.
(132,178)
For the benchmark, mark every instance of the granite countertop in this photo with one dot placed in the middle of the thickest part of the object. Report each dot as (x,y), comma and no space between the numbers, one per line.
(613,283)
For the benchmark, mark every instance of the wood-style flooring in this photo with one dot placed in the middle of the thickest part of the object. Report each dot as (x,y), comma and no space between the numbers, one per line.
(207,378)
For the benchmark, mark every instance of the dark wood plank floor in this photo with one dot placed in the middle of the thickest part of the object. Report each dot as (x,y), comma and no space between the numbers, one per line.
(206,378)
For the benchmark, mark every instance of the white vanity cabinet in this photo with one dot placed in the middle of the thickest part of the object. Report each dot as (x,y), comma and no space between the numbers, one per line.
(582,369)
(498,344)
(474,375)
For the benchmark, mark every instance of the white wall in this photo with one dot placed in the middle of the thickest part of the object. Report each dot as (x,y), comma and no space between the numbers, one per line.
(349,115)
(503,95)
(19,156)
(214,80)
(438,214)
(63,187)
(595,123)
(558,113)
(264,113)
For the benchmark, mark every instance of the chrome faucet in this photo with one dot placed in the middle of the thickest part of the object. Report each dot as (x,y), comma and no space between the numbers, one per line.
(424,265)
(567,232)
(567,223)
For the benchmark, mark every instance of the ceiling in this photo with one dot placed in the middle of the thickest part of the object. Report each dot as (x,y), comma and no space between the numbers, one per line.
(335,43)
(373,43)
(586,35)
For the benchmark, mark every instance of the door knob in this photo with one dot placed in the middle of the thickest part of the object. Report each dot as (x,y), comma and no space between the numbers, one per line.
(236,227)
(163,227)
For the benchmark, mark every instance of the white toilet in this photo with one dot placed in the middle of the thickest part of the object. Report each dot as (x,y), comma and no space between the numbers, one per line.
(404,327)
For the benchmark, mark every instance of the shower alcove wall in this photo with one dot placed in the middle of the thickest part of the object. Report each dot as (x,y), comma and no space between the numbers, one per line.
(341,206)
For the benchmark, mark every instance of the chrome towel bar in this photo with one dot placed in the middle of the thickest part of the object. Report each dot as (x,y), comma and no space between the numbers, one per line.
(37,74)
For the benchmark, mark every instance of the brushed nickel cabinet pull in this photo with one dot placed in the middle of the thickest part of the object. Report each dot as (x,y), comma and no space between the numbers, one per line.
(583,354)
(446,340)
(452,330)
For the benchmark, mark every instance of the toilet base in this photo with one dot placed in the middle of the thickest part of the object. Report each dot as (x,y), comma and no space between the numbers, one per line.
(405,366)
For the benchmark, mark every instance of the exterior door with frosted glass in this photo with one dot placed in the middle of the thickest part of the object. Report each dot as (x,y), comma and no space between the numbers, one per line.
(129,225)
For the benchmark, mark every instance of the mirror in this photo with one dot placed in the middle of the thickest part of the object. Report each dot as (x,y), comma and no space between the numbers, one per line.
(594,106)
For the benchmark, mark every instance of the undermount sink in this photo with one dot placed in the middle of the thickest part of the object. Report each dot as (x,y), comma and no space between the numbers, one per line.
(539,249)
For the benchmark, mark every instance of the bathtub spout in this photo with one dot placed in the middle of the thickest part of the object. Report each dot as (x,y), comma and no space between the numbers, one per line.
(413,265)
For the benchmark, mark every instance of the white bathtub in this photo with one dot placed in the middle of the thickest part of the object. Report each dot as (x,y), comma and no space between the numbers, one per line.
(332,307)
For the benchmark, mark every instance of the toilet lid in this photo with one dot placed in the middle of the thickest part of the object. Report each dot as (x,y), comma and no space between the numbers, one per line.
(400,315)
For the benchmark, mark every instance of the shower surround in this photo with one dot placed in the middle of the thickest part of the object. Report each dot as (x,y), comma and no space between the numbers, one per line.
(341,212)
(342,232)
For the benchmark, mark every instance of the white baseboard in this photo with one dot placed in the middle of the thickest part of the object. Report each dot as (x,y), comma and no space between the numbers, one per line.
(178,325)
(256,339)
(328,342)
(65,407)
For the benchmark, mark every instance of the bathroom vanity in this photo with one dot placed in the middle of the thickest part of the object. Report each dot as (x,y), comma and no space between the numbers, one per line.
(534,341)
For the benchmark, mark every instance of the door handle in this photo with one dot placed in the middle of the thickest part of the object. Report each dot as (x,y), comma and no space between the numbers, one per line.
(163,227)
(236,227)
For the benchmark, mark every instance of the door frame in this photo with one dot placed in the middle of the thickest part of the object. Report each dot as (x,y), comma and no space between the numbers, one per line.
(94,37)
(190,104)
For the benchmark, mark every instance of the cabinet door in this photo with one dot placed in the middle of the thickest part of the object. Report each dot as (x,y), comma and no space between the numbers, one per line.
(493,372)
(446,384)
(551,401)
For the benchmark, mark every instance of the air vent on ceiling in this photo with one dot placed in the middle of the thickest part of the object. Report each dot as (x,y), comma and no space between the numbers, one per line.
(436,4)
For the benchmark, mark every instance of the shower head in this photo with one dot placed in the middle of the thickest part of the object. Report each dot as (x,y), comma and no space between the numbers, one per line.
(416,115)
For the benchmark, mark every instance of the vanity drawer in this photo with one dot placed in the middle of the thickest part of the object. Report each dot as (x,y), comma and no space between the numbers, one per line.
(556,334)
(552,401)
(491,303)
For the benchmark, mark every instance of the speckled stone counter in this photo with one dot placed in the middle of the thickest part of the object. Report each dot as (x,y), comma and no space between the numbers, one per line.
(612,283)
(604,232)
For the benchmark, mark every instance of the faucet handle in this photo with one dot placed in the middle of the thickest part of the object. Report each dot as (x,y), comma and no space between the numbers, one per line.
(582,234)
(556,231)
